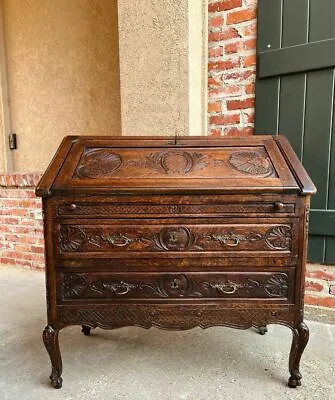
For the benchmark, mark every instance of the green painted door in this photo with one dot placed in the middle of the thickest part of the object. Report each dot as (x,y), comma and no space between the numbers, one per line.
(295,97)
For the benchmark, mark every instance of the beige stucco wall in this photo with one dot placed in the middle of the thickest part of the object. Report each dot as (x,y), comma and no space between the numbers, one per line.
(154,66)
(198,62)
(63,73)
(5,154)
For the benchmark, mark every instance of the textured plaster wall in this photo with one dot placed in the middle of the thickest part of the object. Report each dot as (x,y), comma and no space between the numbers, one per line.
(63,73)
(2,139)
(154,66)
(5,158)
(197,52)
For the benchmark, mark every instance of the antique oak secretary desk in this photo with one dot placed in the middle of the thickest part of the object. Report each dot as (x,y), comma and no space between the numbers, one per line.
(175,234)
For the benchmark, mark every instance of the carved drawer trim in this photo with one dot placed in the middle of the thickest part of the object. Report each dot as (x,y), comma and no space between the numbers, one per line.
(76,239)
(75,286)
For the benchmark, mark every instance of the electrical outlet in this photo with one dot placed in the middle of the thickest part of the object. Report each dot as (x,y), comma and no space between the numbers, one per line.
(12,141)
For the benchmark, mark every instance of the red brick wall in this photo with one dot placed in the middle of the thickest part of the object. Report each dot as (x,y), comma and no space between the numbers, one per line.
(231,67)
(320,285)
(21,225)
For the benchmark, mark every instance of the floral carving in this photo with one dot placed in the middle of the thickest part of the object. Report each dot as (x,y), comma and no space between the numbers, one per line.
(251,162)
(233,239)
(73,238)
(275,286)
(77,285)
(229,287)
(277,238)
(172,286)
(173,162)
(98,163)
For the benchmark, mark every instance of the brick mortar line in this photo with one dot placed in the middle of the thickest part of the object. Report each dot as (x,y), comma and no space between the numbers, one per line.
(319,295)
(318,280)
(19,180)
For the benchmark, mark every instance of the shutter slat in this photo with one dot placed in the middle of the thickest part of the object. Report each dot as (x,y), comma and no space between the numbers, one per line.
(295,59)
(267,92)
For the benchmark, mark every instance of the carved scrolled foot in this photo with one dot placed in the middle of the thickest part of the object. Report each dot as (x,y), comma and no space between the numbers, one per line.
(262,330)
(295,379)
(56,380)
(86,330)
(299,342)
(51,343)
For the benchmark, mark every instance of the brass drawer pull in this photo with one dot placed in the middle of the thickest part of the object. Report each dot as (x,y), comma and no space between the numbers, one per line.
(278,206)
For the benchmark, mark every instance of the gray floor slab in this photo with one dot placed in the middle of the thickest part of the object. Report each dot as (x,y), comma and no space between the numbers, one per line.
(137,364)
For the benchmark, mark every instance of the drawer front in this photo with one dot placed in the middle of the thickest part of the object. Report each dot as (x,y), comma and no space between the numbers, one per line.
(77,286)
(113,238)
(155,207)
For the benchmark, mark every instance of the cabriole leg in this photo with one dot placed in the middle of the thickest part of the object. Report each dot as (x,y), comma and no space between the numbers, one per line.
(50,339)
(299,342)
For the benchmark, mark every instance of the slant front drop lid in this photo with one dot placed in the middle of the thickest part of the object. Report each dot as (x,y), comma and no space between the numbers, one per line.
(149,164)
(175,234)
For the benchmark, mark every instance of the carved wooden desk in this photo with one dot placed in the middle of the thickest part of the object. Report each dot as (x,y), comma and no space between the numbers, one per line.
(175,235)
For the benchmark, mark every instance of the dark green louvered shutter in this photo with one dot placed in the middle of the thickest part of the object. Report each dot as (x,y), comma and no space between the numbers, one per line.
(295,97)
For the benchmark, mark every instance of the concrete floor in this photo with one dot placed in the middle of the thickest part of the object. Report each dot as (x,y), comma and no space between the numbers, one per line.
(136,364)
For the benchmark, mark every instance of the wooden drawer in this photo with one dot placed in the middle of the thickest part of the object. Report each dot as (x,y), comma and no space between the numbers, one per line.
(174,206)
(192,238)
(98,286)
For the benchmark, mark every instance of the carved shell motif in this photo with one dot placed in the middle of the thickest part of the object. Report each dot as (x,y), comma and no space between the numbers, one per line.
(279,237)
(98,163)
(277,285)
(251,162)
(71,238)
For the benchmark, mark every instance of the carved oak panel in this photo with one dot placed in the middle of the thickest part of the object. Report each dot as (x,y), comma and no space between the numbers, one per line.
(84,286)
(73,239)
(107,163)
